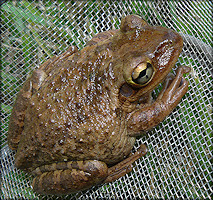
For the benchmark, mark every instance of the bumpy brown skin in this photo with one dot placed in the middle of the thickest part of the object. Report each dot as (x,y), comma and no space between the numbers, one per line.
(78,107)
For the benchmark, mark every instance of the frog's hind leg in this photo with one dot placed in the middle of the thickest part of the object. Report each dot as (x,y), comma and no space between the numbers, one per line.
(69,177)
(17,117)
(125,166)
(29,88)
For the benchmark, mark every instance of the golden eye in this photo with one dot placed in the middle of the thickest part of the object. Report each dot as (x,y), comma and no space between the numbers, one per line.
(143,73)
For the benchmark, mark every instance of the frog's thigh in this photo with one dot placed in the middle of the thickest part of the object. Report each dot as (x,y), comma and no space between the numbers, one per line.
(69,177)
(17,117)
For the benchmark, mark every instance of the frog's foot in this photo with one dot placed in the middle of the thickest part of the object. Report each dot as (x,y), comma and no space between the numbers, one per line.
(69,177)
(174,89)
(125,166)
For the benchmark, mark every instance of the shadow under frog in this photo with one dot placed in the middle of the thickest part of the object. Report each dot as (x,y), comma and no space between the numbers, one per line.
(76,118)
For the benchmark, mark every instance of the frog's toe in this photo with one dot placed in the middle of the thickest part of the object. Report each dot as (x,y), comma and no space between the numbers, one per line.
(176,87)
(180,91)
(166,84)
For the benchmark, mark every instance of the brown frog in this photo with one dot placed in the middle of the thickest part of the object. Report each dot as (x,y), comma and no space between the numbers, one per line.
(76,118)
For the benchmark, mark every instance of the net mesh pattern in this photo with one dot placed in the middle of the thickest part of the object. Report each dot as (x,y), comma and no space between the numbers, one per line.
(178,162)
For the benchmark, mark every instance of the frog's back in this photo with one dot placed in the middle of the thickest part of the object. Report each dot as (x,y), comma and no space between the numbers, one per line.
(71,117)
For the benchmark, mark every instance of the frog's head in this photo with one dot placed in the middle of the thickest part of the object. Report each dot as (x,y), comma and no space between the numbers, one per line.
(148,54)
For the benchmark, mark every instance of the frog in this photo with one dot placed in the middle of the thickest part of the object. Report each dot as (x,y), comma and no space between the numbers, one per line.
(76,119)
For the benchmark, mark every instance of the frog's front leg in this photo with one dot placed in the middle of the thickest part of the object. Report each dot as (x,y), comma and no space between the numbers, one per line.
(69,177)
(171,94)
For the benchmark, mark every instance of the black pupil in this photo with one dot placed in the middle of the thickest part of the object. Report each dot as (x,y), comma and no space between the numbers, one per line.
(142,74)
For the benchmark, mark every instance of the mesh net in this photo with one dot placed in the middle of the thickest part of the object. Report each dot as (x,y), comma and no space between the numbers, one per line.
(178,162)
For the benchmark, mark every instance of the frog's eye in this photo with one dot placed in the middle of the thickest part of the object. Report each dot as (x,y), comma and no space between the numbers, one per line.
(143,73)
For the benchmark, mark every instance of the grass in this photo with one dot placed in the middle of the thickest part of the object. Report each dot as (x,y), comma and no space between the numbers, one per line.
(33,31)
